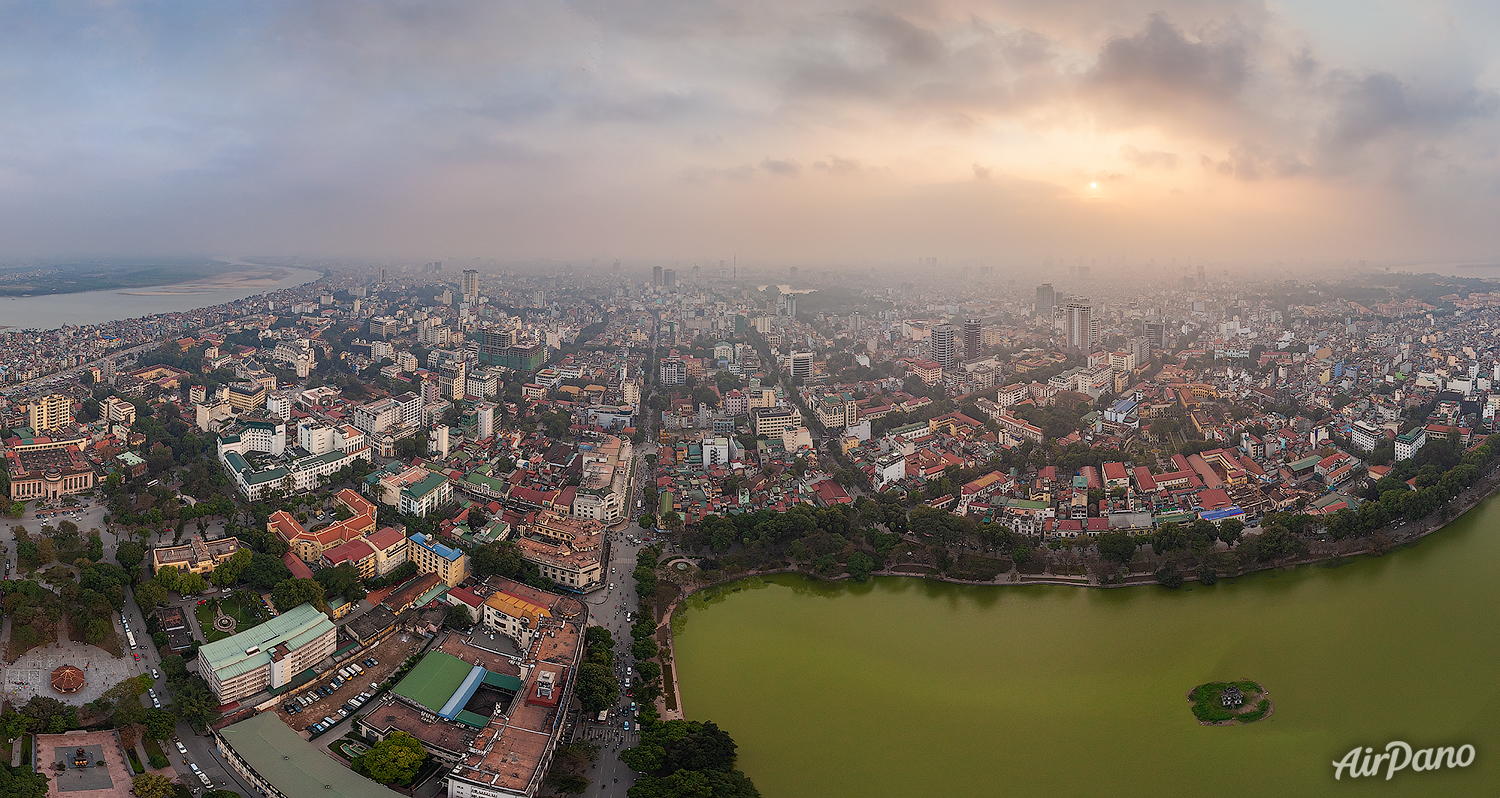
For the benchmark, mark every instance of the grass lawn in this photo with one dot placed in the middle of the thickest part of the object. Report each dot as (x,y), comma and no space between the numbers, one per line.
(247,613)
(153,748)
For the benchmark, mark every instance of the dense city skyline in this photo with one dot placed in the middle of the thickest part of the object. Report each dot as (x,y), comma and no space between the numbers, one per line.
(1238,132)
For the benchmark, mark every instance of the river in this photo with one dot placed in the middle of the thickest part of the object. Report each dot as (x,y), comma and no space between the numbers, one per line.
(905,687)
(96,307)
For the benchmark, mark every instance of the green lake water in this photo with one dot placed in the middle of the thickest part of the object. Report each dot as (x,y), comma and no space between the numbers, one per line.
(904,687)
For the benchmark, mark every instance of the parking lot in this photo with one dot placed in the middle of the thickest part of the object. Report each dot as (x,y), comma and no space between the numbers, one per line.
(389,653)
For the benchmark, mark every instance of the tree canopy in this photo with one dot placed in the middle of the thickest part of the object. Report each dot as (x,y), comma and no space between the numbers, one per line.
(681,758)
(151,785)
(394,760)
(290,593)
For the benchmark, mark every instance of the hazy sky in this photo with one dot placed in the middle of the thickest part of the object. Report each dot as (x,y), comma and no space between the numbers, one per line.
(806,130)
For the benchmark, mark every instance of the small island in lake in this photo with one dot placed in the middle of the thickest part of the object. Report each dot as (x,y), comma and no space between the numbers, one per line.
(1228,703)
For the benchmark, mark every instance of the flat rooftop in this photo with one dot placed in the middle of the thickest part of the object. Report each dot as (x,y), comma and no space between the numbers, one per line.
(292,765)
(434,680)
(391,714)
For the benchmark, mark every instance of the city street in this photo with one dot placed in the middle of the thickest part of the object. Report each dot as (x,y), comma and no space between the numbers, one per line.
(607,608)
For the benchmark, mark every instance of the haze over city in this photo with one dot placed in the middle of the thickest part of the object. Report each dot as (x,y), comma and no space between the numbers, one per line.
(822,132)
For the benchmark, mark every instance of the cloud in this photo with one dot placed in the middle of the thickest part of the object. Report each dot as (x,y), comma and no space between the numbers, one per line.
(356,127)
(839,167)
(1162,66)
(781,168)
(698,174)
(1251,161)
(1153,159)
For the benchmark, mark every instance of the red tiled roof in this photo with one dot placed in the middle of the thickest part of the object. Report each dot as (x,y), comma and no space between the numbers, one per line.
(298,568)
(353,551)
(832,493)
(385,537)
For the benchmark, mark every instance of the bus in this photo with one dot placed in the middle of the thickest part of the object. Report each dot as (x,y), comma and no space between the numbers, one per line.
(603,715)
(130,637)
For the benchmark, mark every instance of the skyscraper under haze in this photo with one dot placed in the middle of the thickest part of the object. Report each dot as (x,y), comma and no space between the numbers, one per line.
(1156,334)
(1082,327)
(972,329)
(1046,300)
(471,286)
(656,276)
(943,344)
(669,279)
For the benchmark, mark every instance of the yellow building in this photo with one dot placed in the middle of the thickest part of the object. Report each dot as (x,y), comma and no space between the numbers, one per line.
(449,564)
(514,611)
(50,412)
(195,556)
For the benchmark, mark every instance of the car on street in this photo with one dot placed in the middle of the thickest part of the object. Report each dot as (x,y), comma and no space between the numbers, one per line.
(136,655)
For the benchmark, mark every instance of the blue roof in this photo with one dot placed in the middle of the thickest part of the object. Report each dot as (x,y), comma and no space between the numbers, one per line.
(462,695)
(427,542)
(1219,515)
(1123,406)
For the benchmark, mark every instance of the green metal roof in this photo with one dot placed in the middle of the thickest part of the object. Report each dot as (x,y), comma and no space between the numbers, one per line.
(318,459)
(498,485)
(472,720)
(236,461)
(266,476)
(419,489)
(503,681)
(1306,462)
(434,680)
(295,627)
(292,765)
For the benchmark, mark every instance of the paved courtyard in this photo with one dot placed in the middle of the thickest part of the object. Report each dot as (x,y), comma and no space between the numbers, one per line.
(31,674)
(110,781)
(84,779)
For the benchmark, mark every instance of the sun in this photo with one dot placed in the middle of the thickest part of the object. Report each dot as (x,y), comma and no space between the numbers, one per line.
(1093,185)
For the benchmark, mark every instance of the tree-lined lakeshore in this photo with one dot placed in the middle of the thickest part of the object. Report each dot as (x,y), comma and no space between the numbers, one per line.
(881,536)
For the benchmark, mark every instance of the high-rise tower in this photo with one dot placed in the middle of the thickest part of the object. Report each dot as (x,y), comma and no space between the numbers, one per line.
(471,286)
(1046,300)
(944,345)
(972,329)
(1082,327)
